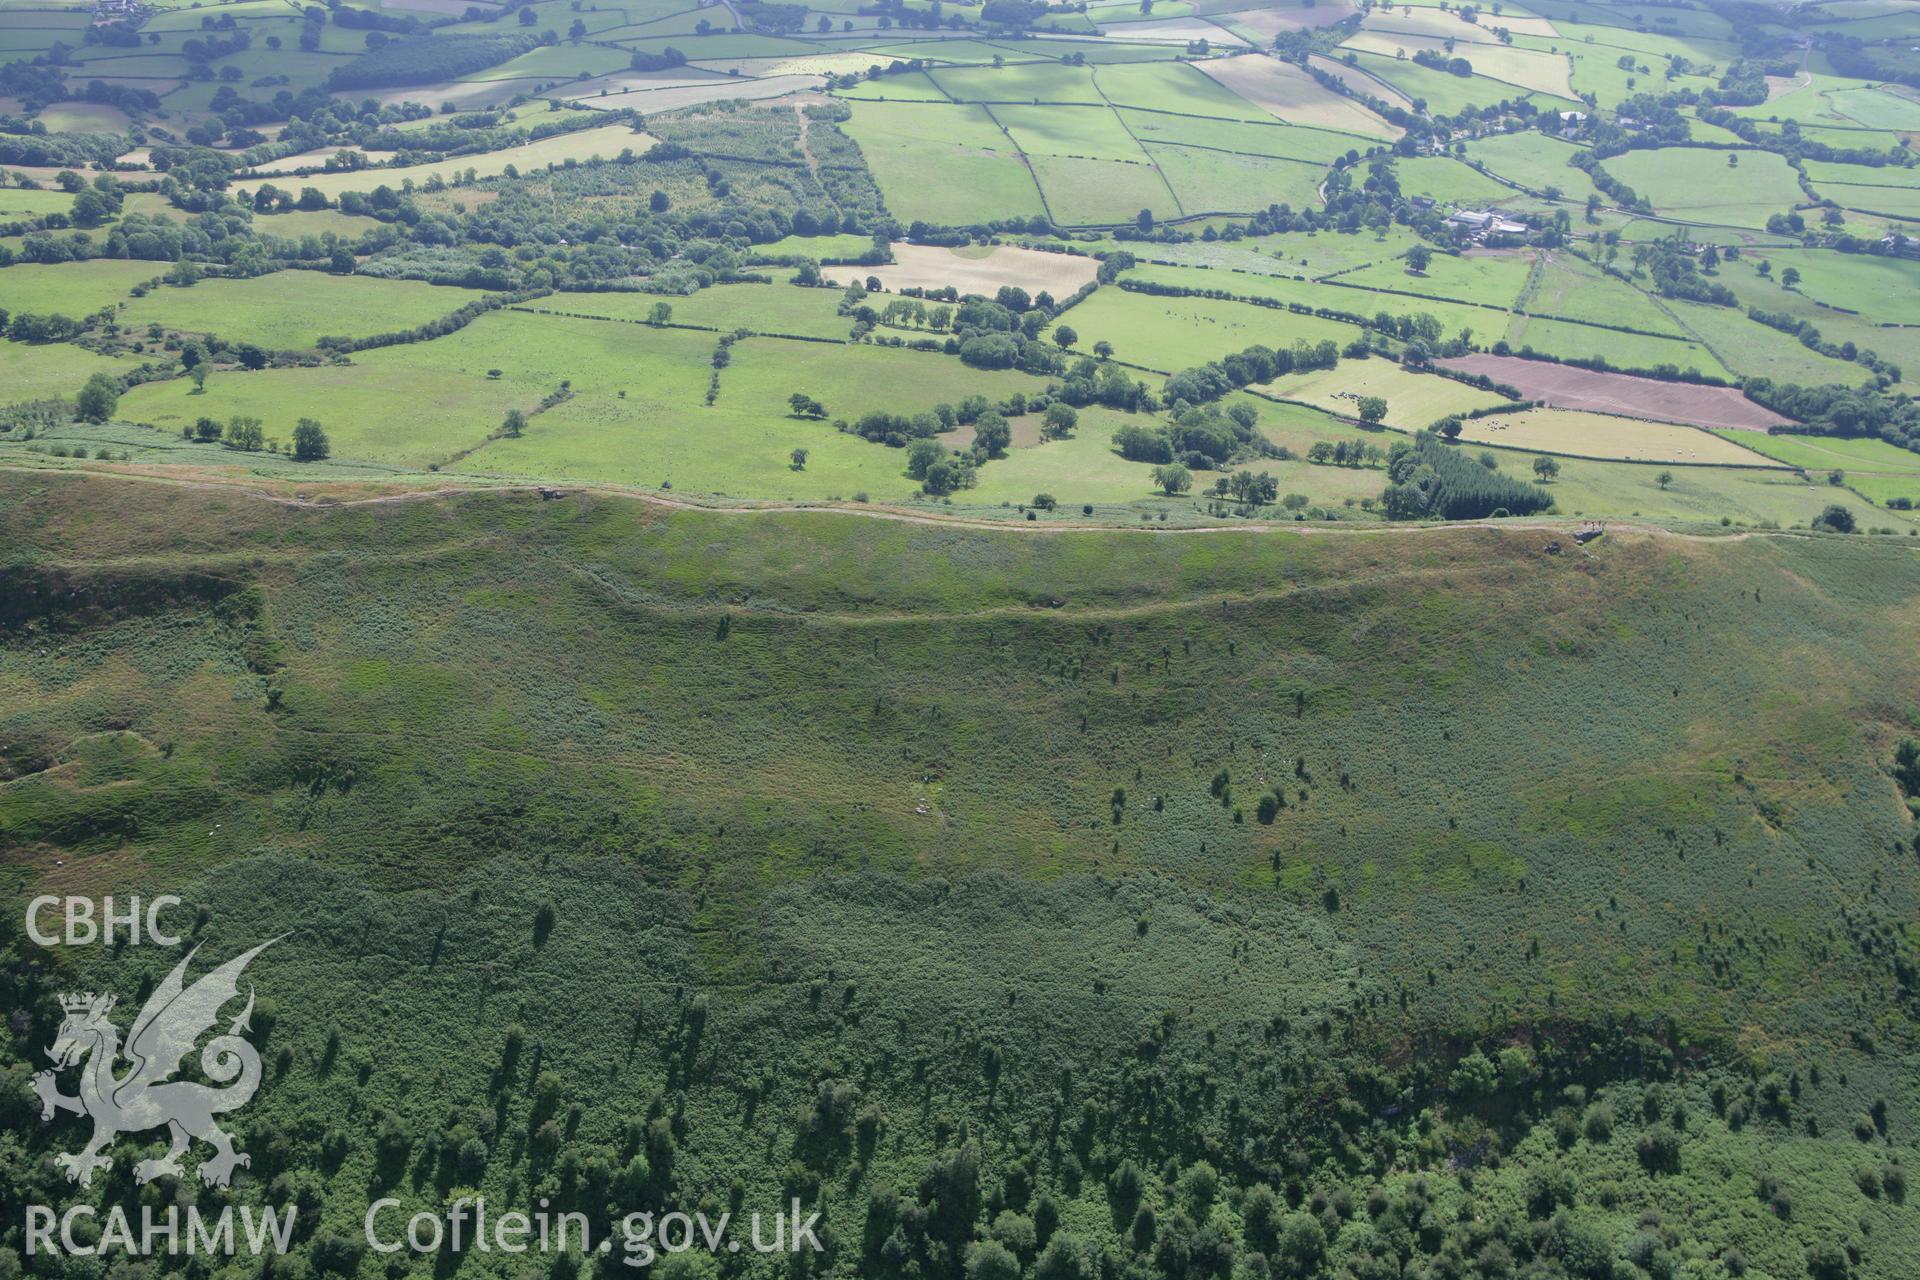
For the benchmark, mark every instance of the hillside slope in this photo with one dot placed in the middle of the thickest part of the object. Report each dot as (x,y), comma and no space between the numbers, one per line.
(863,854)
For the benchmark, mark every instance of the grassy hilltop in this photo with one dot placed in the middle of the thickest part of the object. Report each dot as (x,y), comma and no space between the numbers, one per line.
(870,857)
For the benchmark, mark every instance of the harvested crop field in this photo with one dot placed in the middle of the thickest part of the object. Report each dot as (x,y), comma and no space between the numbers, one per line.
(976,270)
(1360,82)
(1569,388)
(1288,93)
(1271,22)
(1607,436)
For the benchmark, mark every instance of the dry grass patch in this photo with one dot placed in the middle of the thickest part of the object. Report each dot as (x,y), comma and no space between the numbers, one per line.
(976,270)
(1287,93)
(1600,435)
(1532,69)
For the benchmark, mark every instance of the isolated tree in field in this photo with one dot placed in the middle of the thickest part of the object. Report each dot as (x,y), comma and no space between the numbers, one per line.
(1418,257)
(1064,336)
(198,376)
(1664,479)
(207,430)
(805,406)
(246,434)
(1451,428)
(1372,409)
(1294,502)
(516,422)
(660,313)
(1103,349)
(1173,478)
(98,399)
(1546,468)
(1059,421)
(309,441)
(799,457)
(1790,277)
(1045,501)
(1835,519)
(992,435)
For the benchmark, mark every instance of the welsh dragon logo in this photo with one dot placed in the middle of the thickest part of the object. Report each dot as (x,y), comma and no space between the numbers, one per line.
(173,1018)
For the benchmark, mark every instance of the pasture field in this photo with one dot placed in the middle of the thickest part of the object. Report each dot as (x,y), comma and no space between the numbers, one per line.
(948,164)
(1887,175)
(1081,191)
(84,117)
(1093,133)
(1218,182)
(1883,290)
(18,202)
(1489,279)
(1439,91)
(1334,295)
(34,371)
(1414,400)
(1169,334)
(1902,203)
(762,308)
(819,248)
(1745,196)
(1020,82)
(1598,435)
(296,223)
(1621,350)
(1573,288)
(1826,453)
(653,439)
(1754,350)
(1266,138)
(376,410)
(1451,182)
(1180,87)
(1533,160)
(71,288)
(257,310)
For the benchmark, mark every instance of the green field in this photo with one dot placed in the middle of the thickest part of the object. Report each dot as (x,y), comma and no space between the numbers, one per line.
(71,288)
(1414,400)
(1743,196)
(1168,334)
(1858,457)
(295,309)
(1533,160)
(980,173)
(1622,350)
(1490,280)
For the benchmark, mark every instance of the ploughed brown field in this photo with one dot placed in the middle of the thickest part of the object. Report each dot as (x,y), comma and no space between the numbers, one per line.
(1565,387)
